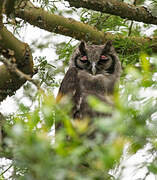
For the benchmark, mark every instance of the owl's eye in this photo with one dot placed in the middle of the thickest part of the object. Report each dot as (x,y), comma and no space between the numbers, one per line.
(102,57)
(84,59)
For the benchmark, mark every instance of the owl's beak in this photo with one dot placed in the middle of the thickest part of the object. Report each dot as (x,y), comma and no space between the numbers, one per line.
(93,68)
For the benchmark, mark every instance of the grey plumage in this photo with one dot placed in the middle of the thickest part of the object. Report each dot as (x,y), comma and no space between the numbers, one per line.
(93,70)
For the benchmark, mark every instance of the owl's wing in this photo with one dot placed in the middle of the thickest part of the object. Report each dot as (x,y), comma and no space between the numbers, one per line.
(68,84)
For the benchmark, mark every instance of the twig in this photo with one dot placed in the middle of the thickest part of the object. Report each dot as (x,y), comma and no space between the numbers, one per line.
(132,22)
(130,28)
(12,68)
(146,175)
(6,170)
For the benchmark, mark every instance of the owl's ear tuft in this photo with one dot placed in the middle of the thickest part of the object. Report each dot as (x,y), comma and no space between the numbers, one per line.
(108,48)
(82,48)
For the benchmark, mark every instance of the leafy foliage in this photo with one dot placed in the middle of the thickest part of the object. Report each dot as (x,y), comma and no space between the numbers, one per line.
(45,72)
(88,149)
(75,155)
(102,21)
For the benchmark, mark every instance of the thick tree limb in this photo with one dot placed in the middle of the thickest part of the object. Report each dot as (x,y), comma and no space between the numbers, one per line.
(59,24)
(117,8)
(12,67)
(11,46)
(78,30)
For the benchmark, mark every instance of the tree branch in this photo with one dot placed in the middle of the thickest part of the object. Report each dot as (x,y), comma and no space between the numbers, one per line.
(12,67)
(12,47)
(59,24)
(117,8)
(80,31)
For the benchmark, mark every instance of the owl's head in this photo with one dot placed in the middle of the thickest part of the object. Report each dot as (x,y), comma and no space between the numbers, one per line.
(94,59)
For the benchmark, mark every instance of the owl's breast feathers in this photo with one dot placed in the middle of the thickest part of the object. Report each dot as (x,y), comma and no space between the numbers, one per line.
(76,82)
(98,84)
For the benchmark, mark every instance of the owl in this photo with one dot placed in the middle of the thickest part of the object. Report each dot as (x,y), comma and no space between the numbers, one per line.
(93,70)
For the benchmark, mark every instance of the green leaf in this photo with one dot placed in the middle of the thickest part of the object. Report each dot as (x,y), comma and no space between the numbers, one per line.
(153,168)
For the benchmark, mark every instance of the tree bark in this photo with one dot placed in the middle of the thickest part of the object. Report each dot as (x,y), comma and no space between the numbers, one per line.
(59,24)
(114,7)
(10,82)
(80,31)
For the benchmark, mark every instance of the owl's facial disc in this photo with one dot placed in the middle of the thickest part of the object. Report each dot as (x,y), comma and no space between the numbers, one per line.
(94,59)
